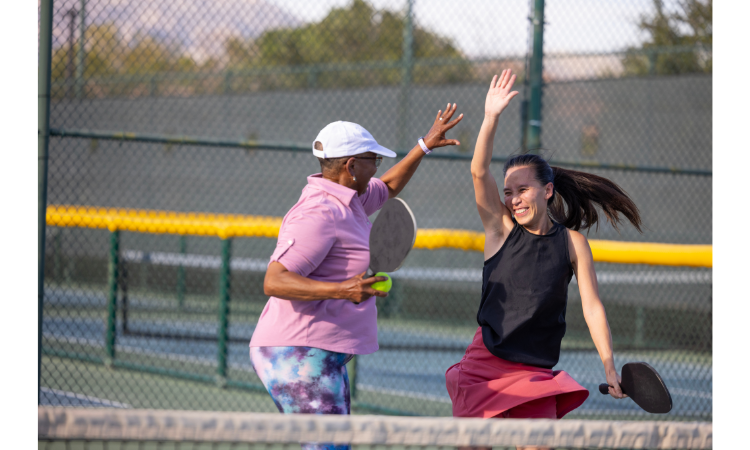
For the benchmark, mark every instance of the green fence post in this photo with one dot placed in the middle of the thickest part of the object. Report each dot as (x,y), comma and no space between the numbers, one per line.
(114,250)
(224,286)
(81,56)
(524,107)
(407,63)
(122,285)
(45,61)
(534,122)
(181,273)
(351,368)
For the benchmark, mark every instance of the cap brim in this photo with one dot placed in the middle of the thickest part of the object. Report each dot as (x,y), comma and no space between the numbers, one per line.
(380,150)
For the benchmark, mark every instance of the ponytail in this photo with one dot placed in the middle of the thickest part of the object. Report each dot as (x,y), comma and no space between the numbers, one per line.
(576,195)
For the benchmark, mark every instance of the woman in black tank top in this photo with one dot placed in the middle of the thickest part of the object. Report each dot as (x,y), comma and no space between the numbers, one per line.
(532,250)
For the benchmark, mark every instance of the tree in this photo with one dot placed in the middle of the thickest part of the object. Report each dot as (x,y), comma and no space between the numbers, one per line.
(103,50)
(689,29)
(240,53)
(152,65)
(149,56)
(102,58)
(353,34)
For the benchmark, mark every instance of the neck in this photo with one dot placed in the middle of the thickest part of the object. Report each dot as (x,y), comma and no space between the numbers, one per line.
(342,178)
(540,228)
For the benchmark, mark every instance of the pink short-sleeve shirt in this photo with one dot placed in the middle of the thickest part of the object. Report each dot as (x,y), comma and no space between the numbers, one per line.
(325,237)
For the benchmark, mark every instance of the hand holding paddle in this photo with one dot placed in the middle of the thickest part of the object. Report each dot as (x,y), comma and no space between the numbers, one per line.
(643,384)
(391,238)
(613,385)
(358,288)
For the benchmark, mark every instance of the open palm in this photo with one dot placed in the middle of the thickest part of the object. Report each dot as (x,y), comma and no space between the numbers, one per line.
(500,93)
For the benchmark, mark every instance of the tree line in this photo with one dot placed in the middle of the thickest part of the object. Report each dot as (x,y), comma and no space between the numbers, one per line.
(355,34)
(353,46)
(678,42)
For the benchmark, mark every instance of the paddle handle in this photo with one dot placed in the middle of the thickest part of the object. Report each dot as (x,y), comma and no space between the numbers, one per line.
(604,388)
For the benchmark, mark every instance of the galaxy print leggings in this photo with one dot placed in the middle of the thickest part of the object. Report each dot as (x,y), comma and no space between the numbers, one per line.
(305,380)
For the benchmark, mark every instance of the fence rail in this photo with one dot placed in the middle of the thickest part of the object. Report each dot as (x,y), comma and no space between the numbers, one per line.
(124,136)
(232,225)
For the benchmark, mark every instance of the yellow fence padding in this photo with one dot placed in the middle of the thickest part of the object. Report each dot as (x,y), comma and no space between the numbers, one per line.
(652,253)
(233,225)
(163,222)
(434,238)
(603,251)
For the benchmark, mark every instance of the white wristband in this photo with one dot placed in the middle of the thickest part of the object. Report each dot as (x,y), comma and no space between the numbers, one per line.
(424,146)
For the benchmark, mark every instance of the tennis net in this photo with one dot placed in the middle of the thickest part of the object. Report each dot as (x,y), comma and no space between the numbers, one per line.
(92,428)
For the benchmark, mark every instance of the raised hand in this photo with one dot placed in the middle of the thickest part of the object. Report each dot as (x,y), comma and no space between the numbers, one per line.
(436,136)
(499,94)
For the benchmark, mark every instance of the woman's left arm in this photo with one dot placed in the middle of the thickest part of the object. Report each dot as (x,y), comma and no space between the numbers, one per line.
(400,174)
(593,309)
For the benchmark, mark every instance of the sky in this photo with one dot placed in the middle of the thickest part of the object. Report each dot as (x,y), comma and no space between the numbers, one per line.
(480,28)
(483,28)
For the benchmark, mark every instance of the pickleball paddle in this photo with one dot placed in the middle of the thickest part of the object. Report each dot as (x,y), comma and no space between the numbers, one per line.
(392,236)
(643,384)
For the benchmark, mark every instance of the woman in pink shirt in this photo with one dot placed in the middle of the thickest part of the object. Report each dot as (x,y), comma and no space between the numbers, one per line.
(322,310)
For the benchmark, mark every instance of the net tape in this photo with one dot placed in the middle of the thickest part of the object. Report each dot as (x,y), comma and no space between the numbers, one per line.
(208,426)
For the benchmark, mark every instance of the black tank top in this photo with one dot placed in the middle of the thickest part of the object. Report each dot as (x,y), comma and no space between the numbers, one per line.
(524,296)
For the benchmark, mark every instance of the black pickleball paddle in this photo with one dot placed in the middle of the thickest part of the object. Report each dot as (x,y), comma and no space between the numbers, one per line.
(643,384)
(392,237)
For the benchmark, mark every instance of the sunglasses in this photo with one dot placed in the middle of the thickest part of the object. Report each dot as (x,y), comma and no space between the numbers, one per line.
(378,159)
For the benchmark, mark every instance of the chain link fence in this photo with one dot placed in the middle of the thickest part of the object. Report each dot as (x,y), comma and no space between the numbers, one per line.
(210,107)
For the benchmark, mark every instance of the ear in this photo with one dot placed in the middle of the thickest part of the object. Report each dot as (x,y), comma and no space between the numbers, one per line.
(349,166)
(549,189)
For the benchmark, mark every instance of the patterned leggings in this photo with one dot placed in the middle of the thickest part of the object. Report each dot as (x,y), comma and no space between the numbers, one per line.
(305,380)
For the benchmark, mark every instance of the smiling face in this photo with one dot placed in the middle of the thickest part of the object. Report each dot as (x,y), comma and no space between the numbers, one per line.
(525,197)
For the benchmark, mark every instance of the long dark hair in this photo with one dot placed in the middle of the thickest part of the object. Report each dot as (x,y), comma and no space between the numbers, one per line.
(576,195)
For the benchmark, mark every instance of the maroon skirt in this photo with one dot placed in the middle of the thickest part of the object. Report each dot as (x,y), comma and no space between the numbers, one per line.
(483,385)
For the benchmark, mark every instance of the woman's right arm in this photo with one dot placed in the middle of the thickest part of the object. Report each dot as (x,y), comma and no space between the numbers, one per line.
(306,237)
(593,310)
(287,285)
(495,216)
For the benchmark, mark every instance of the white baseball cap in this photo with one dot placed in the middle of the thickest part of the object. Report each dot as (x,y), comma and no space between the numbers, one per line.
(340,139)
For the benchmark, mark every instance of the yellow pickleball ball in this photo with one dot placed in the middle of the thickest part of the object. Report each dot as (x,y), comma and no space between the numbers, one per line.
(384,286)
